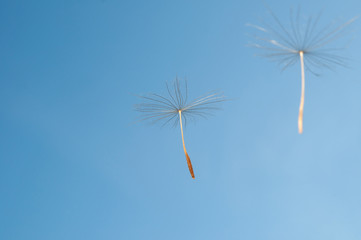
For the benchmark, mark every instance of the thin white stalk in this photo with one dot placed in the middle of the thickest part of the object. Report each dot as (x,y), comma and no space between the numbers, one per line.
(184,146)
(300,114)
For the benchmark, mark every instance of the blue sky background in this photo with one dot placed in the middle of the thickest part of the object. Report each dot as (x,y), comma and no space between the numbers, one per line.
(74,166)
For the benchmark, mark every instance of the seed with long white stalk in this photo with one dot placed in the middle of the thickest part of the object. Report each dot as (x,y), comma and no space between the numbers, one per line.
(301,42)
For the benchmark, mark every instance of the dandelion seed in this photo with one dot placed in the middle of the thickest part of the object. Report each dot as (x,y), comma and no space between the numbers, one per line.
(175,109)
(305,43)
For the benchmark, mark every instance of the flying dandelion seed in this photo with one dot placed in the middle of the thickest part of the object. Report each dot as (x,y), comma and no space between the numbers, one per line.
(305,43)
(175,109)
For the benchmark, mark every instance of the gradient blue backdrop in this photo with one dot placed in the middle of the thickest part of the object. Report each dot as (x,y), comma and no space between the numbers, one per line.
(74,166)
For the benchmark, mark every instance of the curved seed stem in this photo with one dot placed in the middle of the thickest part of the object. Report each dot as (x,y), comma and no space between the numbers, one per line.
(184,147)
(300,114)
